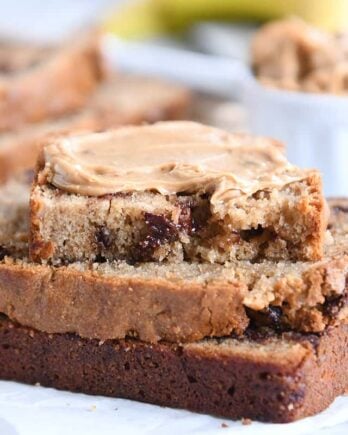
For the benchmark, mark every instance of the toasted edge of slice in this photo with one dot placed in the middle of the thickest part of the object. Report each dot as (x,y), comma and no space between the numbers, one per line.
(261,376)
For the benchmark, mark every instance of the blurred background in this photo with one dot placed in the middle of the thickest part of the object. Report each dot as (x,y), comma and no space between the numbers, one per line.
(205,45)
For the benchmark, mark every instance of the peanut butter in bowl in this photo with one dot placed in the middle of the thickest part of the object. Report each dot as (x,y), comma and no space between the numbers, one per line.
(293,55)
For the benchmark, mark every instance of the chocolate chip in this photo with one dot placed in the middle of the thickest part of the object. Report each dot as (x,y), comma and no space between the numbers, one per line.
(103,237)
(274,314)
(200,216)
(159,230)
(100,259)
(194,214)
(258,333)
(332,306)
(248,235)
(3,252)
(271,317)
(185,220)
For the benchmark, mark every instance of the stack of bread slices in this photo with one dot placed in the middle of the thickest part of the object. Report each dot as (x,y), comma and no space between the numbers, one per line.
(171,263)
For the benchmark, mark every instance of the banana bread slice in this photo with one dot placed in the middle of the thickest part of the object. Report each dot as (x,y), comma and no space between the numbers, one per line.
(262,376)
(44,82)
(181,302)
(173,192)
(119,100)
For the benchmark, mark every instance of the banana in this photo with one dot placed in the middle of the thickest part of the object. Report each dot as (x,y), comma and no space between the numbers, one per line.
(147,18)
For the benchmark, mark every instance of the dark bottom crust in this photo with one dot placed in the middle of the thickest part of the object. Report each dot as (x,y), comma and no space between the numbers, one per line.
(184,377)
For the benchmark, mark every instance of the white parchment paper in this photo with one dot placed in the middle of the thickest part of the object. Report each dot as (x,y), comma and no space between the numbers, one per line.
(27,410)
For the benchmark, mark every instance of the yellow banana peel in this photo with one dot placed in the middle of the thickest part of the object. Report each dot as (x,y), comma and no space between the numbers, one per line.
(147,18)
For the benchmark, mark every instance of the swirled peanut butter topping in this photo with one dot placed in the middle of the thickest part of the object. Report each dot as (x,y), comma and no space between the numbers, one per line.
(168,157)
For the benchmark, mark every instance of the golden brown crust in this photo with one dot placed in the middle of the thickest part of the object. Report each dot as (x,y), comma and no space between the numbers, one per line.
(261,376)
(318,216)
(58,85)
(97,305)
(94,306)
(305,299)
(36,243)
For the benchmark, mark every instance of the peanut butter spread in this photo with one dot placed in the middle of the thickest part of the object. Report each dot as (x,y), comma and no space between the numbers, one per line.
(291,54)
(169,157)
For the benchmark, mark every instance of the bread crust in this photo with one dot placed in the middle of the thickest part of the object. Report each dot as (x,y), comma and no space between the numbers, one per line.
(274,378)
(96,305)
(104,307)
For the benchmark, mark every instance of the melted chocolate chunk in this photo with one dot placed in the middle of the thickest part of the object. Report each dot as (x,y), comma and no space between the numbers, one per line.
(263,334)
(248,235)
(270,317)
(185,220)
(259,334)
(195,213)
(3,252)
(200,217)
(333,306)
(103,237)
(100,259)
(160,230)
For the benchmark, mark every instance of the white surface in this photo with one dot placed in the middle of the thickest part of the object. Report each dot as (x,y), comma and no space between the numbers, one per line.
(26,410)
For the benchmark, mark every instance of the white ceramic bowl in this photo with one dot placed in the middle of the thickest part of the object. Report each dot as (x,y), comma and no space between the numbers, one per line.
(313,127)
